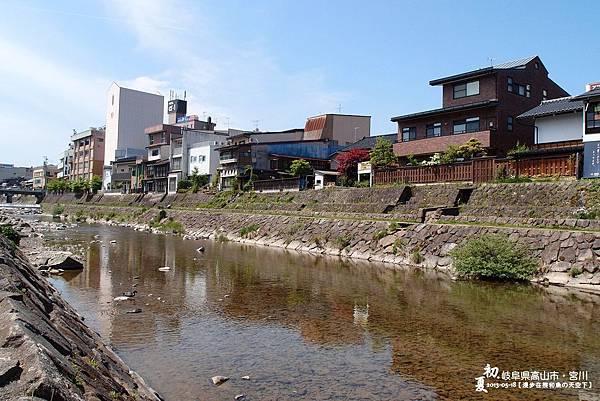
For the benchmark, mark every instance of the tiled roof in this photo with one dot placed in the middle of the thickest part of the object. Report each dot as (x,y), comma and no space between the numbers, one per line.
(483,71)
(369,142)
(588,95)
(554,106)
(485,103)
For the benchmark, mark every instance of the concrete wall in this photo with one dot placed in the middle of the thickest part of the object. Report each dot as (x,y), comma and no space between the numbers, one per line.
(210,160)
(128,113)
(563,127)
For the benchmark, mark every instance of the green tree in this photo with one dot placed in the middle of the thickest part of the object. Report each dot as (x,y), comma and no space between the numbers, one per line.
(300,168)
(382,154)
(95,184)
(198,181)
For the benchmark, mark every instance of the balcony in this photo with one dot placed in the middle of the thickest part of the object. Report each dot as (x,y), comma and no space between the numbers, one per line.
(427,146)
(177,151)
(228,160)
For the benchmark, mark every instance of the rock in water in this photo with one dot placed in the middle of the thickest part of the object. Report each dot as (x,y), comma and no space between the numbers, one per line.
(201,249)
(240,397)
(122,298)
(164,269)
(218,380)
(137,310)
(245,377)
(47,260)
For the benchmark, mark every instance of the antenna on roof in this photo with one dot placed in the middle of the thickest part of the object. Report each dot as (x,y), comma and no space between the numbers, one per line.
(255,122)
(339,108)
(184,94)
(491,60)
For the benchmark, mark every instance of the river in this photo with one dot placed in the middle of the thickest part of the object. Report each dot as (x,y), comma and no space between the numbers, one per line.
(316,328)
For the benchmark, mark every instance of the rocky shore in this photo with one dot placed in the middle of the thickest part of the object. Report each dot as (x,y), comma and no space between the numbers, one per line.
(47,352)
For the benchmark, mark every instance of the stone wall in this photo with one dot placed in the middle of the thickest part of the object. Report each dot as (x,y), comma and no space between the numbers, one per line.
(566,257)
(46,351)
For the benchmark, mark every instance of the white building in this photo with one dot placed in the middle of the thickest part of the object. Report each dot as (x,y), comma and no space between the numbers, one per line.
(557,120)
(128,113)
(195,149)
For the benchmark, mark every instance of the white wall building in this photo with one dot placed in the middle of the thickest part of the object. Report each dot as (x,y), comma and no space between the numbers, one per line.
(128,113)
(557,120)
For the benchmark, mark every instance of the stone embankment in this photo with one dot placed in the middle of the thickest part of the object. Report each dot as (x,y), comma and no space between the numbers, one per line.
(415,225)
(47,352)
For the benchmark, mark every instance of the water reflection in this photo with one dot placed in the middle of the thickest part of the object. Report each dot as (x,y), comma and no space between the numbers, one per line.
(307,327)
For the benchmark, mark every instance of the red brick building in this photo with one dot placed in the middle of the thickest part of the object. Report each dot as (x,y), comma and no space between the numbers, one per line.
(481,104)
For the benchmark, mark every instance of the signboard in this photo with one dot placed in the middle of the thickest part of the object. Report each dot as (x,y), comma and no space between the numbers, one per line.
(177,106)
(364,168)
(591,160)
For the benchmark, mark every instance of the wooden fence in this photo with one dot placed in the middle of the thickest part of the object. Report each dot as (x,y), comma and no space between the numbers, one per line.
(483,169)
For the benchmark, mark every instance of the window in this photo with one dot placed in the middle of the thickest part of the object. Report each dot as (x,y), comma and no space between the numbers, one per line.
(519,89)
(151,139)
(192,159)
(466,89)
(509,123)
(593,116)
(409,134)
(154,152)
(112,101)
(467,125)
(434,130)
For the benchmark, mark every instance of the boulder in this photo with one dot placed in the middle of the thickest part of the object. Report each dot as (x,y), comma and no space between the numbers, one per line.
(48,260)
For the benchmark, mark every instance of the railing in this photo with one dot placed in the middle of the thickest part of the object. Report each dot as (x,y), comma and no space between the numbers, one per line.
(283,184)
(482,170)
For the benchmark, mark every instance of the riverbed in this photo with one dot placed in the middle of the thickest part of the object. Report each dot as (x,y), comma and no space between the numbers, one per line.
(304,327)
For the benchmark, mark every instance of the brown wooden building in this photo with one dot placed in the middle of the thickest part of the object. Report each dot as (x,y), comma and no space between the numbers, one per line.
(481,104)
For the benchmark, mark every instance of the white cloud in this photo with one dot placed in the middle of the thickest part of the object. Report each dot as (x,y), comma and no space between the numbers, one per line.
(238,82)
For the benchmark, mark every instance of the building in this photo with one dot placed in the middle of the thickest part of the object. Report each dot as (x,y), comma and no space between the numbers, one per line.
(88,154)
(128,113)
(591,129)
(12,175)
(366,143)
(125,177)
(43,174)
(194,148)
(158,165)
(481,104)
(65,163)
(343,128)
(557,123)
(268,155)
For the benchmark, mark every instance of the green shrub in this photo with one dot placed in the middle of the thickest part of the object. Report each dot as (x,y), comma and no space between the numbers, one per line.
(586,214)
(343,241)
(57,210)
(162,214)
(398,246)
(575,271)
(379,235)
(10,233)
(318,240)
(416,257)
(494,256)
(249,229)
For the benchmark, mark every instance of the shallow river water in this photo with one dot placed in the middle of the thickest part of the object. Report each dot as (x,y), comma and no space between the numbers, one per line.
(315,328)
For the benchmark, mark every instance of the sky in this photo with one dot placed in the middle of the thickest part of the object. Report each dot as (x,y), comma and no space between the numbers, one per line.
(265,63)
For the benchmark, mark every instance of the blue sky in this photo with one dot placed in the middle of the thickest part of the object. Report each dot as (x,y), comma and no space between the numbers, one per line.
(276,61)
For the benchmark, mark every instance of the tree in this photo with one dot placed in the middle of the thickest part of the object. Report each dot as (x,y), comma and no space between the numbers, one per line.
(198,181)
(467,150)
(348,163)
(95,184)
(300,168)
(382,154)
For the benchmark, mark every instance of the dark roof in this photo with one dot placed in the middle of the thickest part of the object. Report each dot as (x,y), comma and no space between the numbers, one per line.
(484,71)
(485,103)
(588,95)
(554,106)
(369,142)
